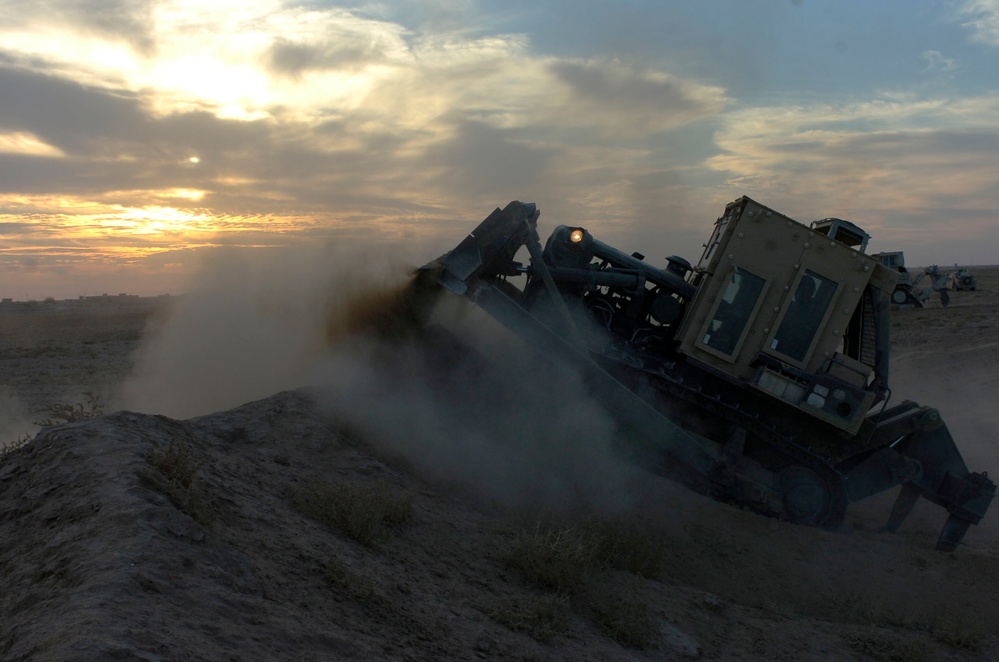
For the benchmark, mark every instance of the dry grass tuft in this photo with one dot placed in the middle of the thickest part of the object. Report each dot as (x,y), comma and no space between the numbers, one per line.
(558,558)
(176,474)
(578,562)
(621,613)
(9,447)
(62,412)
(362,513)
(562,557)
(543,618)
(354,585)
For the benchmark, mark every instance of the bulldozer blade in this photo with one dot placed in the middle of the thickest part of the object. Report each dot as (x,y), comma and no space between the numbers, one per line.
(952,533)
(490,248)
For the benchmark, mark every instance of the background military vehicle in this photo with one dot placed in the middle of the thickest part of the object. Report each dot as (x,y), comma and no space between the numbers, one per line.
(759,376)
(962,280)
(909,291)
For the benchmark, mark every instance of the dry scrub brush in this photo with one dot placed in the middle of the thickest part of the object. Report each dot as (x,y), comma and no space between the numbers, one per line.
(961,630)
(57,414)
(175,473)
(577,562)
(62,412)
(361,512)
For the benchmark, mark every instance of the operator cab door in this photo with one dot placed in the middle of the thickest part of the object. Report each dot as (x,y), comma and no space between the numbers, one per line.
(804,314)
(730,319)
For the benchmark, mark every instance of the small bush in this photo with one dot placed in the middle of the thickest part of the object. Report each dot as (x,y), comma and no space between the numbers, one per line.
(630,549)
(560,556)
(177,463)
(627,620)
(354,585)
(177,475)
(576,562)
(960,632)
(8,448)
(543,618)
(70,413)
(556,558)
(362,513)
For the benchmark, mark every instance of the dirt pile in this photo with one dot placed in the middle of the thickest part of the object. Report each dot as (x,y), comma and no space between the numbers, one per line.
(145,537)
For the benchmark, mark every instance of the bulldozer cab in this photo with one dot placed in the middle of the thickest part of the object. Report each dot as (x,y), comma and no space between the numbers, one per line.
(892,259)
(794,311)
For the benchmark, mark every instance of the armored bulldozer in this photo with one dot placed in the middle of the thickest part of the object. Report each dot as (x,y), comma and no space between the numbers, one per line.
(908,290)
(758,376)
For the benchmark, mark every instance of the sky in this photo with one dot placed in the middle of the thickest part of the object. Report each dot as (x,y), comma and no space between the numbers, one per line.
(140,139)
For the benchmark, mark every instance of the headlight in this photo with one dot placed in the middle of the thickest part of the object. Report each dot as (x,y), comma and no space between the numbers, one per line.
(576,236)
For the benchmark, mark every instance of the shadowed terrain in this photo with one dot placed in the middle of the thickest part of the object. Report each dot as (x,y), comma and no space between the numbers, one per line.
(299,527)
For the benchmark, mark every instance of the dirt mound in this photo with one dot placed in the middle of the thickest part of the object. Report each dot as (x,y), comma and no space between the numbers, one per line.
(140,536)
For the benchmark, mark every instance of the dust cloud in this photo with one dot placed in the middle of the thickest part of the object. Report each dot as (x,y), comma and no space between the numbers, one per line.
(477,408)
(959,380)
(484,409)
(15,421)
(249,326)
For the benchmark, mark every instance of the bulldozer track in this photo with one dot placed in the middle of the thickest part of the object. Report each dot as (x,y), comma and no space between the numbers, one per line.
(714,402)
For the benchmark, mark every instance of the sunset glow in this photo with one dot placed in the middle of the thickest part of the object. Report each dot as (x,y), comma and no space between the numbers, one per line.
(268,124)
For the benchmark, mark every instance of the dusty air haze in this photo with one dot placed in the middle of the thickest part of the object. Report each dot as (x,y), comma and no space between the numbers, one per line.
(253,178)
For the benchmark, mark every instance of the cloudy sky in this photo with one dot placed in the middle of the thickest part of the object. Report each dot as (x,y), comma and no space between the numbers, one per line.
(139,137)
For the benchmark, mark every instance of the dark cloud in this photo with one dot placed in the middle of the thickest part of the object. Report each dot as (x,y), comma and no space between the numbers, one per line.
(487,163)
(293,59)
(13,228)
(41,225)
(616,86)
(65,114)
(893,147)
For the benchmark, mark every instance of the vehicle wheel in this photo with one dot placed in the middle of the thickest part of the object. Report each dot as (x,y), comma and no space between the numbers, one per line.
(899,296)
(809,499)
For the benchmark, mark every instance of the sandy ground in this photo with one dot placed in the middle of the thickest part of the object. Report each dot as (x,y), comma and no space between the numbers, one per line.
(142,536)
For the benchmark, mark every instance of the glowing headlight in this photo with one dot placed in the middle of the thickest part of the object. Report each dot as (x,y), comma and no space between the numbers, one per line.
(576,236)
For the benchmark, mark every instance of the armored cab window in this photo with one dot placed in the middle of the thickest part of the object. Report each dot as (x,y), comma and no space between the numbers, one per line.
(736,306)
(804,315)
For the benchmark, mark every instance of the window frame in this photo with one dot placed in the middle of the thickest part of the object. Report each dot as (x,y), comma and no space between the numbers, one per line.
(819,329)
(750,318)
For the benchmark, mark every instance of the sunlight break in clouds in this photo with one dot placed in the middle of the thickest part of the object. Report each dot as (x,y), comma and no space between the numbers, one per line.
(220,55)
(251,60)
(263,114)
(27,144)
